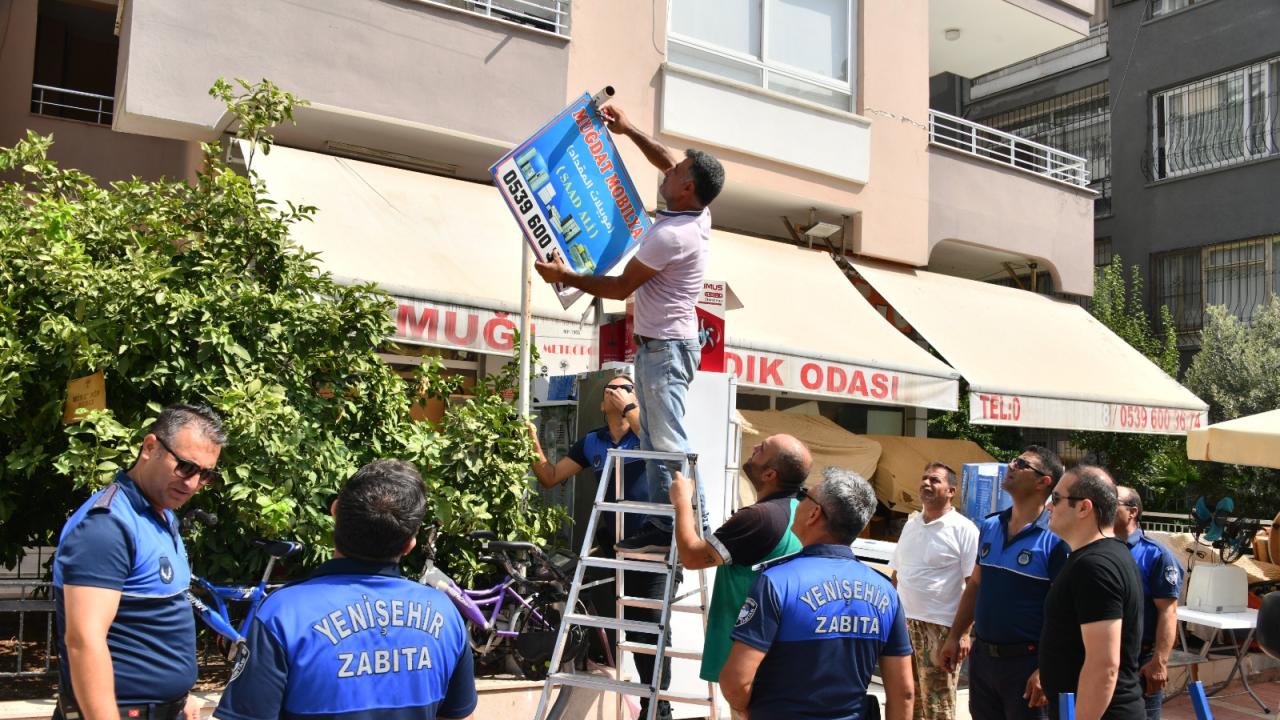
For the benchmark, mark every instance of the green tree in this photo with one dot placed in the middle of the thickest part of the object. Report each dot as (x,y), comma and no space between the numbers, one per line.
(1156,462)
(1237,372)
(193,292)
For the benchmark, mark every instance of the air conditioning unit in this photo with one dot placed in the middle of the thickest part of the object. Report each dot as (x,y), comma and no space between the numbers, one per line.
(1218,589)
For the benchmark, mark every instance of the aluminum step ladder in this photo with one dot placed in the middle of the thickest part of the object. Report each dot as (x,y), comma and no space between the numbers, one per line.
(667,565)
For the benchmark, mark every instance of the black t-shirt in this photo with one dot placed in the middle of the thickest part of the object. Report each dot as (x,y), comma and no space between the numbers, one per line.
(750,534)
(1099,582)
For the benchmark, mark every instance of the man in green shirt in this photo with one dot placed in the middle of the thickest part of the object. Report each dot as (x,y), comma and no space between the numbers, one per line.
(777,468)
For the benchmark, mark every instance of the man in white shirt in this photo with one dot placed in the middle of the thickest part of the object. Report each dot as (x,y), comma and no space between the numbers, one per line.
(934,559)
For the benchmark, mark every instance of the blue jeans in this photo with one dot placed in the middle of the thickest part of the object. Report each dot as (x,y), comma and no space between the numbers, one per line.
(664,369)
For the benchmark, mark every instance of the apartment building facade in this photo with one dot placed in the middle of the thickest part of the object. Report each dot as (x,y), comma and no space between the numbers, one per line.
(1173,103)
(819,110)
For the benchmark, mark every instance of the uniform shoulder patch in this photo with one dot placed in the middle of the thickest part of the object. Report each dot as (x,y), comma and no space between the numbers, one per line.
(1171,574)
(747,612)
(242,659)
(106,498)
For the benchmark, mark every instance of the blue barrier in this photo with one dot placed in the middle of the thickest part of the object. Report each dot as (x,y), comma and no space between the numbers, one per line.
(1067,706)
(1199,701)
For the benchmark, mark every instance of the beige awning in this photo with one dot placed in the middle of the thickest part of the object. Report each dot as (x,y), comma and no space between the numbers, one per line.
(1033,360)
(902,462)
(1250,440)
(804,329)
(830,444)
(448,250)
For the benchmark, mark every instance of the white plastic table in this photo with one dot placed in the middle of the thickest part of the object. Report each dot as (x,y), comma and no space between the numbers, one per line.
(1246,620)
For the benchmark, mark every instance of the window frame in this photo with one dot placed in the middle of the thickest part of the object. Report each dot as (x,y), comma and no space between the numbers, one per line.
(767,67)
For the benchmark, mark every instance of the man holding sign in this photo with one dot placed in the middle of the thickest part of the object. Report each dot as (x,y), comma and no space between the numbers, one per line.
(665,277)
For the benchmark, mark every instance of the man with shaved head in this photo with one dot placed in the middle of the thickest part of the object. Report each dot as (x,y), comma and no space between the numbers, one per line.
(777,468)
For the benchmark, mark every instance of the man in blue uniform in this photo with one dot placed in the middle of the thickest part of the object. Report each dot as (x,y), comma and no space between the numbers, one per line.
(815,624)
(1161,584)
(1018,557)
(356,640)
(126,633)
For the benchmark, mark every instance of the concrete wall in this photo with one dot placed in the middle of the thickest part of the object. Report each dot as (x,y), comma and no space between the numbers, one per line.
(395,58)
(94,149)
(1233,203)
(988,205)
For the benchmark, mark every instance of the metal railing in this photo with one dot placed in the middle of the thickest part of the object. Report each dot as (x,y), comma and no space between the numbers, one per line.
(998,146)
(30,651)
(549,15)
(72,104)
(1179,523)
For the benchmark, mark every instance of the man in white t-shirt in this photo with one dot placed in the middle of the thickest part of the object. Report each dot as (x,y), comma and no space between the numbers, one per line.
(934,559)
(665,277)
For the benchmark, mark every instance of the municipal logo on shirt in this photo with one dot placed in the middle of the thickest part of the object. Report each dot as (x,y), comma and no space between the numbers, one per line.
(986,548)
(747,612)
(1024,557)
(1171,574)
(242,659)
(166,569)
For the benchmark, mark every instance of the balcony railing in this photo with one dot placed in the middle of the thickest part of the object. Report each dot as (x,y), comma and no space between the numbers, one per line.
(72,104)
(988,143)
(549,15)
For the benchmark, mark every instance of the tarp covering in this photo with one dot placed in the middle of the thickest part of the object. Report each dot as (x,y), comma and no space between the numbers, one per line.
(902,461)
(829,443)
(1250,440)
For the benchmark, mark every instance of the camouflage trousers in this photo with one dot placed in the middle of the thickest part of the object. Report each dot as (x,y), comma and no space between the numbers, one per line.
(935,687)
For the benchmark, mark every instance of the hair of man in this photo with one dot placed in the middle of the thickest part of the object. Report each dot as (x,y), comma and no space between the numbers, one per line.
(1095,485)
(379,510)
(847,502)
(951,474)
(789,462)
(1049,461)
(707,174)
(1129,496)
(174,418)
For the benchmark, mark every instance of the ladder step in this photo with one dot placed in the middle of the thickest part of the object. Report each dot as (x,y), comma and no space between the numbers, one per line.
(652,604)
(616,564)
(603,684)
(650,649)
(609,623)
(638,507)
(649,556)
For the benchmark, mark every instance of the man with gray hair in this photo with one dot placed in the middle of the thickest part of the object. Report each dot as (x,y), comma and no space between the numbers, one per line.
(665,278)
(126,634)
(815,625)
(1093,613)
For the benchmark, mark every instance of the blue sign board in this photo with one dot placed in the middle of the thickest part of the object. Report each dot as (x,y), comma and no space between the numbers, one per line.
(571,195)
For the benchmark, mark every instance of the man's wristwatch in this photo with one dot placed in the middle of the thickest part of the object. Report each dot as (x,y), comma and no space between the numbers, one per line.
(628,408)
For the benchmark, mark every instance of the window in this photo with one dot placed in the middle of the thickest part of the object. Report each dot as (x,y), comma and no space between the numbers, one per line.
(1163,7)
(1078,122)
(1216,122)
(75,65)
(1240,275)
(1102,253)
(800,48)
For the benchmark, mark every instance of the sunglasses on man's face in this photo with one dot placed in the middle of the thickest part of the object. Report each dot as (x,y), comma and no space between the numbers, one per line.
(1021,463)
(184,468)
(628,388)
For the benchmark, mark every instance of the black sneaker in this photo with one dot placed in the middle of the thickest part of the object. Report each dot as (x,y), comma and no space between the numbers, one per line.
(650,539)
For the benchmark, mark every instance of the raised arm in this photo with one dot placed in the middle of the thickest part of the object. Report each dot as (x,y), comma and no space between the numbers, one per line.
(550,475)
(695,553)
(655,153)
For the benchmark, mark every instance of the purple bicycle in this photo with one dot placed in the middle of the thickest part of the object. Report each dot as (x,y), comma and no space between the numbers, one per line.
(513,624)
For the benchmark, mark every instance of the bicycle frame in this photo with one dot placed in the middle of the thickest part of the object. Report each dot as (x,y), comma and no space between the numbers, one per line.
(217,617)
(473,603)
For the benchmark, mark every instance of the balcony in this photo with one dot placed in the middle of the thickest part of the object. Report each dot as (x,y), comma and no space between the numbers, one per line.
(1093,48)
(72,104)
(549,15)
(973,37)
(997,201)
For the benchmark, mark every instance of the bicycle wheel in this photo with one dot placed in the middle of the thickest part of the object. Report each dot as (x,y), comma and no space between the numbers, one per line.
(536,642)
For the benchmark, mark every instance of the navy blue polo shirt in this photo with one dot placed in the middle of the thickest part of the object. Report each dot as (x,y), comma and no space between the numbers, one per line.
(117,541)
(1016,574)
(592,451)
(1161,578)
(823,619)
(355,640)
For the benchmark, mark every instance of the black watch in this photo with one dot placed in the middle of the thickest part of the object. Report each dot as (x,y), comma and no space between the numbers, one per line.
(628,408)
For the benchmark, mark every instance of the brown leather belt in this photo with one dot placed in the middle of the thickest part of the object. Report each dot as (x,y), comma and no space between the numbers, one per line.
(1012,650)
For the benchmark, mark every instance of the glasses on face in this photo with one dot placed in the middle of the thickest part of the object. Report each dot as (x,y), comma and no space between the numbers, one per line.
(1054,498)
(184,468)
(628,388)
(802,494)
(1021,463)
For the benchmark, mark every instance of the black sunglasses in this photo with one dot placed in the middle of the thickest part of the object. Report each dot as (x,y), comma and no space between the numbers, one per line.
(1054,498)
(802,494)
(185,468)
(1020,463)
(628,388)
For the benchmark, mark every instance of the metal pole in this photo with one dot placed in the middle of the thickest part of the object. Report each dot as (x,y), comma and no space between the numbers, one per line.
(526,325)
